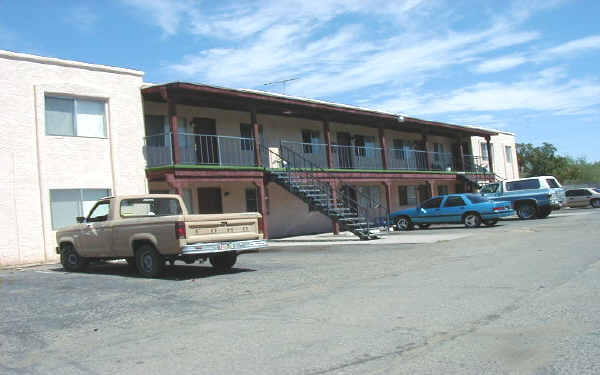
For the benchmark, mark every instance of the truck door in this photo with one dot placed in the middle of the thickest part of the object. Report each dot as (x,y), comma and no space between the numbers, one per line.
(96,234)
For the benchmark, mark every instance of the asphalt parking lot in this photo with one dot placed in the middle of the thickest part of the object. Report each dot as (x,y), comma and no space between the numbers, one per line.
(519,298)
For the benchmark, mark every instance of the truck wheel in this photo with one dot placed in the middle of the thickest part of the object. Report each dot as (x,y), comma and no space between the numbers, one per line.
(70,259)
(544,212)
(472,220)
(526,211)
(149,262)
(223,262)
(596,203)
(404,223)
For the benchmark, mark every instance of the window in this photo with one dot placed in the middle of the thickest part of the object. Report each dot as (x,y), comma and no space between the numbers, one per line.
(310,138)
(150,207)
(586,192)
(490,188)
(402,195)
(370,196)
(570,193)
(508,151)
(533,183)
(251,200)
(433,203)
(75,117)
(411,192)
(246,131)
(67,204)
(484,150)
(359,143)
(454,202)
(477,198)
(552,183)
(399,149)
(99,212)
(442,189)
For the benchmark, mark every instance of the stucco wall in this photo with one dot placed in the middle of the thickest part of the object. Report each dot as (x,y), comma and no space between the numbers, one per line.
(36,162)
(503,168)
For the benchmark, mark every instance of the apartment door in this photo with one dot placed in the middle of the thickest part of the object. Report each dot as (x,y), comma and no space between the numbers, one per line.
(207,146)
(209,201)
(345,151)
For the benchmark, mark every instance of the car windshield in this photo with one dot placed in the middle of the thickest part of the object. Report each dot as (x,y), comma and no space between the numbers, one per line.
(477,198)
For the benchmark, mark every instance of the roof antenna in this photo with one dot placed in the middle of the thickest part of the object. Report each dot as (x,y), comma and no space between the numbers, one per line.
(282,83)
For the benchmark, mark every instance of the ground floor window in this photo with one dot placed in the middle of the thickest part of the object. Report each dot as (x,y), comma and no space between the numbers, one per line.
(67,204)
(251,200)
(442,189)
(407,195)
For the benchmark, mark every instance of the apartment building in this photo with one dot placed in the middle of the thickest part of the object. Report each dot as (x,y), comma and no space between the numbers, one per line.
(73,133)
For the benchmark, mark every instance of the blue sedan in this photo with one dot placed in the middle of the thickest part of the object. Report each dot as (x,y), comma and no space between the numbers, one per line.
(469,209)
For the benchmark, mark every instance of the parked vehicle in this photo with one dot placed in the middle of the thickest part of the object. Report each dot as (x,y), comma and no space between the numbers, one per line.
(148,230)
(469,209)
(530,197)
(583,197)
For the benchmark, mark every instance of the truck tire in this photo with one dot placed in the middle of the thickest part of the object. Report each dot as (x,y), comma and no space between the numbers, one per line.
(526,211)
(472,220)
(149,262)
(70,259)
(544,212)
(223,262)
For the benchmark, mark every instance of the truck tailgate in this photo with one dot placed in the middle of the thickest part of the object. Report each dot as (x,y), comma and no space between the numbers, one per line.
(222,227)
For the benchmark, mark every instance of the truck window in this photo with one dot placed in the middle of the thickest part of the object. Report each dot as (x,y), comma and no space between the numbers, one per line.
(532,183)
(99,212)
(490,188)
(150,207)
(552,183)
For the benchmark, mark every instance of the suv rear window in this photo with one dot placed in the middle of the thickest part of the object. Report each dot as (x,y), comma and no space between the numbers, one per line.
(150,207)
(552,183)
(532,183)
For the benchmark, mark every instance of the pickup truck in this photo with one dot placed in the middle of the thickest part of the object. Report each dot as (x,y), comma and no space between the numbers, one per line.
(533,197)
(148,230)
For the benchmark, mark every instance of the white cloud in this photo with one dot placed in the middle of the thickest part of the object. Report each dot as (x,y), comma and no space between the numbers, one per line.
(167,14)
(574,46)
(81,17)
(500,64)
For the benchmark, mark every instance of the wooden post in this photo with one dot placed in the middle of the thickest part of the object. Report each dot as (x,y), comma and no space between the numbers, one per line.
(334,186)
(256,133)
(388,197)
(490,156)
(461,155)
(263,208)
(173,124)
(174,184)
(384,153)
(427,154)
(327,137)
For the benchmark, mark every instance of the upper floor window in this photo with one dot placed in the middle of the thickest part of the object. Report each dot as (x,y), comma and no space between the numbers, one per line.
(484,151)
(75,117)
(508,151)
(310,138)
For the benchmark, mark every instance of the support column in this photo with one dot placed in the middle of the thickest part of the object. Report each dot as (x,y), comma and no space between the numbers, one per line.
(461,155)
(388,197)
(261,186)
(334,187)
(173,125)
(384,151)
(256,134)
(327,137)
(174,184)
(431,184)
(490,156)
(427,154)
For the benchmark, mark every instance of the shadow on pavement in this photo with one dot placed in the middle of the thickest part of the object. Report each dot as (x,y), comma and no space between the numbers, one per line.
(173,273)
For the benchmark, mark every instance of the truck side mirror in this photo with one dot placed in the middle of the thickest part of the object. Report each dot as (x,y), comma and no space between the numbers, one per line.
(80,219)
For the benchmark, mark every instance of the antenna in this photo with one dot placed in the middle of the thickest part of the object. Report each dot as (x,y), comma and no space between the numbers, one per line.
(282,83)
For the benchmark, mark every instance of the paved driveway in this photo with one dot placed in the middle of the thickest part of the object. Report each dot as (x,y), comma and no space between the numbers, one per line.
(522,298)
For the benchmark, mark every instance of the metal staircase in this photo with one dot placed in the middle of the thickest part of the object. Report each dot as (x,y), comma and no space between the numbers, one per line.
(306,181)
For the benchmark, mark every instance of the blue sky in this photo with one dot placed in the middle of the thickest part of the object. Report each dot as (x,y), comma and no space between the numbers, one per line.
(530,67)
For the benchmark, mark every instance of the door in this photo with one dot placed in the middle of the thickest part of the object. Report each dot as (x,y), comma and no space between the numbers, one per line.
(209,201)
(207,144)
(429,211)
(96,235)
(350,197)
(345,151)
(453,209)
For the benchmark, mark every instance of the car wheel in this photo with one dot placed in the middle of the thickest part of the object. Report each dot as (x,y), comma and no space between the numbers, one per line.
(543,213)
(149,262)
(490,223)
(404,223)
(423,226)
(526,211)
(131,262)
(596,203)
(223,262)
(472,220)
(70,259)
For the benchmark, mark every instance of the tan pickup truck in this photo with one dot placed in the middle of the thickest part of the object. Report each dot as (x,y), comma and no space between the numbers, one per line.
(149,230)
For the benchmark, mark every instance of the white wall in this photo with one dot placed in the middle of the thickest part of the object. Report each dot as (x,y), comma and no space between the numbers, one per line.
(35,162)
(502,166)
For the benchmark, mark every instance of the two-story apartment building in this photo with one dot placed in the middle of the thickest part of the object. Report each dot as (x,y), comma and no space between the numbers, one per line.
(72,133)
(75,132)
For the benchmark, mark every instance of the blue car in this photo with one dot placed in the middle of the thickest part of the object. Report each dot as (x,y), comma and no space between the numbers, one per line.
(469,209)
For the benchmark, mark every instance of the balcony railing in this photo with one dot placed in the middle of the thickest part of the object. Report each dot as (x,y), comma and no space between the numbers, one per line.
(218,150)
